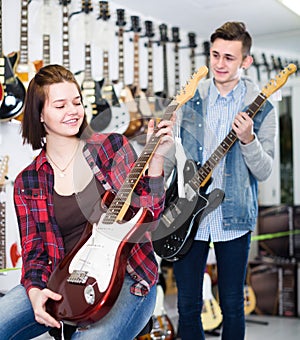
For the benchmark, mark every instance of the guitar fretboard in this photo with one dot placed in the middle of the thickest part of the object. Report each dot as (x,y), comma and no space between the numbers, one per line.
(65,37)
(46,49)
(2,228)
(204,172)
(24,33)
(124,194)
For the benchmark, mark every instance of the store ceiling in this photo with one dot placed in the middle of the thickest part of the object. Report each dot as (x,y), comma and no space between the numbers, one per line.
(272,25)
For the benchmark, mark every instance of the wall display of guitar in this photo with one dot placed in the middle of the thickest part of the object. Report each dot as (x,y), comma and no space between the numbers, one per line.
(90,277)
(176,40)
(120,117)
(46,14)
(192,46)
(25,69)
(162,328)
(163,96)
(12,254)
(91,89)
(136,125)
(125,94)
(211,314)
(12,90)
(179,222)
(149,92)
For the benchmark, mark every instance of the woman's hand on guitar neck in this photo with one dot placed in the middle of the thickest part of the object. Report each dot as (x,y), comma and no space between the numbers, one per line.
(165,132)
(38,298)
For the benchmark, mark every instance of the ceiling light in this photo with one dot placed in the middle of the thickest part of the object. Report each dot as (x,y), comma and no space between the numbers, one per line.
(293,5)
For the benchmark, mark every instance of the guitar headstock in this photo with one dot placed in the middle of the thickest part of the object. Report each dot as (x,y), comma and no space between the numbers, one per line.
(3,169)
(149,29)
(120,17)
(64,2)
(104,10)
(163,29)
(192,39)
(135,24)
(279,81)
(86,6)
(189,89)
(175,35)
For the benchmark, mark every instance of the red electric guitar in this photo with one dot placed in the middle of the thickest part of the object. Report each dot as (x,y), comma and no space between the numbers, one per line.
(90,277)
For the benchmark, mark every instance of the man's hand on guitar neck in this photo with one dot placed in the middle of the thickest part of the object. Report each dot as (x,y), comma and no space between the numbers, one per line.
(243,127)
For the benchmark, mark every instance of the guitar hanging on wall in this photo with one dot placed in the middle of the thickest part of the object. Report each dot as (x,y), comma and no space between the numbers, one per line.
(119,114)
(176,40)
(91,89)
(90,277)
(12,90)
(13,251)
(143,109)
(163,96)
(179,222)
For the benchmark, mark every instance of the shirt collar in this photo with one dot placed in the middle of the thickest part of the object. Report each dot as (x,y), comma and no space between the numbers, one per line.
(41,159)
(235,93)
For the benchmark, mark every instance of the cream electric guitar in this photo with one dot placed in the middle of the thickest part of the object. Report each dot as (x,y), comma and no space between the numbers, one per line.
(90,277)
(211,315)
(9,256)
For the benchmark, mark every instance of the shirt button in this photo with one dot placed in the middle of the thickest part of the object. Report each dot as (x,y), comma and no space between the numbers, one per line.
(199,125)
(198,102)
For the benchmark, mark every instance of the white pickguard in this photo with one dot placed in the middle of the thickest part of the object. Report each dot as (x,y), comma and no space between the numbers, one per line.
(98,254)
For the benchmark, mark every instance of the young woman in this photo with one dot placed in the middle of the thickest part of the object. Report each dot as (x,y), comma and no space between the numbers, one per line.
(59,192)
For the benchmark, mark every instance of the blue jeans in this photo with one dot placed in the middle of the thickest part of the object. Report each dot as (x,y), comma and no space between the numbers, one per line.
(125,320)
(232,257)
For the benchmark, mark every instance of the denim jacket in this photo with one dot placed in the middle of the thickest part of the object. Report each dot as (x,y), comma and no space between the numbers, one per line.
(245,165)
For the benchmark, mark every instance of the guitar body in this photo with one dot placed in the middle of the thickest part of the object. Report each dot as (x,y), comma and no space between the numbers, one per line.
(179,222)
(101,111)
(120,117)
(162,326)
(211,314)
(127,96)
(90,288)
(14,90)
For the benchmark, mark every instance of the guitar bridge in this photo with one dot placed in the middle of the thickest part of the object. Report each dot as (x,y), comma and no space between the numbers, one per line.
(78,277)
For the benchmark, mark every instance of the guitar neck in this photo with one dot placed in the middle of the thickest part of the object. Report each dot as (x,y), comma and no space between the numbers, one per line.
(193,60)
(24,33)
(88,63)
(118,207)
(2,228)
(203,174)
(106,67)
(176,65)
(165,69)
(136,65)
(46,49)
(121,54)
(150,92)
(65,47)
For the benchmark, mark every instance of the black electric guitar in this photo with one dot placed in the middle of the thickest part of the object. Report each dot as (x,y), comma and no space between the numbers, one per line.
(91,89)
(120,117)
(12,90)
(179,222)
(90,277)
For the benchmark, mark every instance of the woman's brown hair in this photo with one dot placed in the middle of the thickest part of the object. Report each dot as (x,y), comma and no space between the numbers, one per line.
(33,130)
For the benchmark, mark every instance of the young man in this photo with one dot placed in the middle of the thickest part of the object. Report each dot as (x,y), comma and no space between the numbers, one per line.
(207,118)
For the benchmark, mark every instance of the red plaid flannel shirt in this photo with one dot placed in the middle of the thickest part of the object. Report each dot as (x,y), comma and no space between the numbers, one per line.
(111,158)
